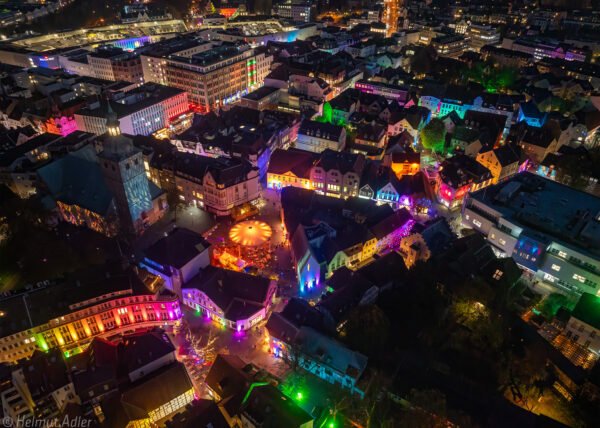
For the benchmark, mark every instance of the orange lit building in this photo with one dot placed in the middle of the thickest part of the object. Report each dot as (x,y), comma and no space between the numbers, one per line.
(408,163)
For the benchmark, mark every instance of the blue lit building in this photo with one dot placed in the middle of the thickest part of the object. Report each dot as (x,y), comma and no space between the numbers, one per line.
(529,113)
(551,230)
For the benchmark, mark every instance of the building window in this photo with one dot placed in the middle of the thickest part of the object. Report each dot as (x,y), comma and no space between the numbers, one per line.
(556,268)
(498,274)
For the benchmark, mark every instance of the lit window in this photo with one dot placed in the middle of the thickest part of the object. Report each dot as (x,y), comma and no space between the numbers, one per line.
(578,278)
(556,268)
(562,254)
(548,277)
(498,274)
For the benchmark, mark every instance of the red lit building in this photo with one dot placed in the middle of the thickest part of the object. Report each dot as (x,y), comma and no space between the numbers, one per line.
(458,176)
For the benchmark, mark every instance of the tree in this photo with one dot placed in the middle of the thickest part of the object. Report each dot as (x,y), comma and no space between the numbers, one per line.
(173,199)
(367,329)
(552,303)
(433,135)
(427,409)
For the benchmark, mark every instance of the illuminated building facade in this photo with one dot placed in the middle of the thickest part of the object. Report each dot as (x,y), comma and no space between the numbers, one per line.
(391,13)
(390,92)
(503,162)
(112,63)
(177,267)
(141,111)
(235,300)
(515,216)
(583,326)
(344,175)
(482,35)
(458,176)
(219,184)
(123,170)
(107,306)
(218,76)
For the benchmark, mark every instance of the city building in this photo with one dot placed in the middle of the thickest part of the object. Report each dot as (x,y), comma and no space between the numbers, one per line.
(19,163)
(318,354)
(391,92)
(141,111)
(220,75)
(113,63)
(583,326)
(40,385)
(177,258)
(452,45)
(234,299)
(70,314)
(153,398)
(246,396)
(539,49)
(138,202)
(482,35)
(354,231)
(426,240)
(537,143)
(154,57)
(549,229)
(296,10)
(218,185)
(88,192)
(317,137)
(458,176)
(506,57)
(343,175)
(503,162)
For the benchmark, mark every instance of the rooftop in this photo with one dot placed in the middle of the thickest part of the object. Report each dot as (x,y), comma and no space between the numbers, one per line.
(237,294)
(178,248)
(41,304)
(547,208)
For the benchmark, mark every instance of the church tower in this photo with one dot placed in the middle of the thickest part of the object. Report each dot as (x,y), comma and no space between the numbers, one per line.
(123,169)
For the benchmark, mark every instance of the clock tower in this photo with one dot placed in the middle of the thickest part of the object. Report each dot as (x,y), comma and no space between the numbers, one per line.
(123,169)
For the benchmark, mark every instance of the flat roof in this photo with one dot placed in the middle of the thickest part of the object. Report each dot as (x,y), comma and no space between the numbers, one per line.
(547,208)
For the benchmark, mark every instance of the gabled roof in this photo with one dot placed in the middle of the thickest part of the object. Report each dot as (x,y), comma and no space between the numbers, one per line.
(147,395)
(266,405)
(325,131)
(177,249)
(76,180)
(237,294)
(296,161)
(508,154)
(332,353)
(391,223)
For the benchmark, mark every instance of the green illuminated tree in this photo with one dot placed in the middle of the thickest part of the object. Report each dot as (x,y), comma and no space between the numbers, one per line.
(433,135)
(552,303)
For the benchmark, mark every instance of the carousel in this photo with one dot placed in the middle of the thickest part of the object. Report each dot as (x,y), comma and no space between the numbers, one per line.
(253,241)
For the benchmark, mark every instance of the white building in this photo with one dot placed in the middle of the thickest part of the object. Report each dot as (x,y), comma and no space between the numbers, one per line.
(141,111)
(584,325)
(236,300)
(316,137)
